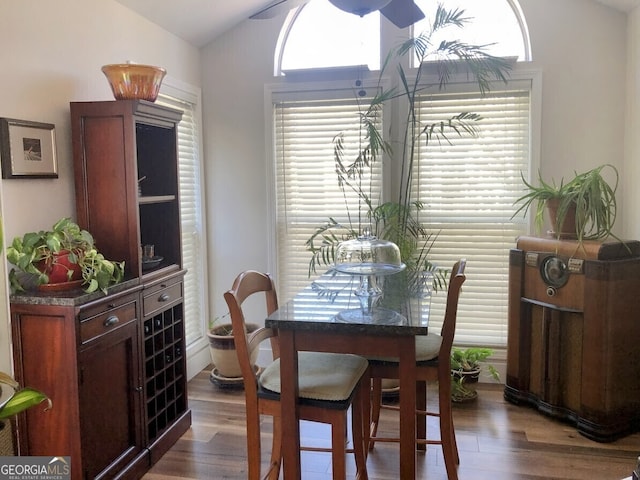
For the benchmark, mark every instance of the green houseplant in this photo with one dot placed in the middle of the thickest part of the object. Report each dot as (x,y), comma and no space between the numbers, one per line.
(466,365)
(59,256)
(583,208)
(398,220)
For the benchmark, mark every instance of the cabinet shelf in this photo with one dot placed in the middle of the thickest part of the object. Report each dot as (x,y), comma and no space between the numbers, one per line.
(145,200)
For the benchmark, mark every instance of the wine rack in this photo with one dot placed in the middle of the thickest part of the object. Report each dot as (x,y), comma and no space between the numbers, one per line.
(165,380)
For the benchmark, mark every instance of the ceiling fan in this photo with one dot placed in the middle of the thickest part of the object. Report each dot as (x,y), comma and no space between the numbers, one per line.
(401,13)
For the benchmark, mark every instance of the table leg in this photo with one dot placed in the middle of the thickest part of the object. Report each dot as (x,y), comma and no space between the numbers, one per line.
(407,367)
(289,405)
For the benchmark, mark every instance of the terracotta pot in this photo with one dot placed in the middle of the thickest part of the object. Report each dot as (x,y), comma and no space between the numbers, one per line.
(568,227)
(223,350)
(58,266)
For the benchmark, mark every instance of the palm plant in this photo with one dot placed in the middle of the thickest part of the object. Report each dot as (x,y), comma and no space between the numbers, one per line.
(399,221)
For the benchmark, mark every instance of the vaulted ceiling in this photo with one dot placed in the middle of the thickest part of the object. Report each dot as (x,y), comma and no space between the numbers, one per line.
(200,21)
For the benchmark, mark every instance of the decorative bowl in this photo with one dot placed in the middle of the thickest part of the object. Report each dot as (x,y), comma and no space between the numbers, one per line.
(130,81)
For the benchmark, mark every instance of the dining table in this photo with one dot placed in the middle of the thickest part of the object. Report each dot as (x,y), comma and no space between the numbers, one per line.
(328,316)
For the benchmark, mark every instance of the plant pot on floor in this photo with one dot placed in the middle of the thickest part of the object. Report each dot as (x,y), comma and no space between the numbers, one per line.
(223,351)
(463,385)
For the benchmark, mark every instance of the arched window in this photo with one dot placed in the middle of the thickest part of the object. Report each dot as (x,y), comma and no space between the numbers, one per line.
(319,35)
(498,24)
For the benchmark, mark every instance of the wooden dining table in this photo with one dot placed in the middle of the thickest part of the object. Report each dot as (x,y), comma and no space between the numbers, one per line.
(326,316)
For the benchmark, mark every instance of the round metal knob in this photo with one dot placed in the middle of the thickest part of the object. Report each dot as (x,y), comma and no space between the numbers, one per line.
(551,291)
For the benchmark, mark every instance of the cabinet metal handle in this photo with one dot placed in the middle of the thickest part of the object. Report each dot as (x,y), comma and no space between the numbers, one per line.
(111,321)
(164,297)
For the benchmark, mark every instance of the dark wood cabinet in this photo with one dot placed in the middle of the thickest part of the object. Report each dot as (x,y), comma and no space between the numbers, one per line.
(574,333)
(115,365)
(126,179)
(83,351)
(110,390)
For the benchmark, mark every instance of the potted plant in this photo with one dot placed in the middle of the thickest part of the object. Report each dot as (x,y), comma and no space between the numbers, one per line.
(466,365)
(63,257)
(223,351)
(397,221)
(583,208)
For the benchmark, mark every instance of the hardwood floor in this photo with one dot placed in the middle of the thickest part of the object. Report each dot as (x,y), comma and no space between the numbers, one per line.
(496,440)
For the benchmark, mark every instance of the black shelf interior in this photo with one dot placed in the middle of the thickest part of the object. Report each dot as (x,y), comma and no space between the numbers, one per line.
(165,380)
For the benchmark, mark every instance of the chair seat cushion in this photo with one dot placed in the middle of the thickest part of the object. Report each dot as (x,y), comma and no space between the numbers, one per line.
(322,376)
(427,348)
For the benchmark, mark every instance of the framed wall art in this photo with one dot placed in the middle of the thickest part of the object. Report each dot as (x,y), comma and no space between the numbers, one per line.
(28,149)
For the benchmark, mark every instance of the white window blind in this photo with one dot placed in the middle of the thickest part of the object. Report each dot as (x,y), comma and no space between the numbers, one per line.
(468,187)
(307,190)
(190,217)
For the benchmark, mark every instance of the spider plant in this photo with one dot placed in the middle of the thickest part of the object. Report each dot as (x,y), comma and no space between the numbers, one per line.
(587,195)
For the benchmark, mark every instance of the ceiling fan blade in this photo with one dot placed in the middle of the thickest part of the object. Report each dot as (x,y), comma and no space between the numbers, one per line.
(278,7)
(402,13)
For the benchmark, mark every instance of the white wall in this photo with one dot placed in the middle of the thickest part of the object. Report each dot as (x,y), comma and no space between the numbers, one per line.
(631,198)
(235,69)
(51,55)
(580,47)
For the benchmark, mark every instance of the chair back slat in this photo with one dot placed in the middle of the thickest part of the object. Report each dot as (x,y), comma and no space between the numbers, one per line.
(451,312)
(246,284)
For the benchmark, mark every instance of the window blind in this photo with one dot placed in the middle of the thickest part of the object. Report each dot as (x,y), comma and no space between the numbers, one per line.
(190,217)
(469,186)
(307,190)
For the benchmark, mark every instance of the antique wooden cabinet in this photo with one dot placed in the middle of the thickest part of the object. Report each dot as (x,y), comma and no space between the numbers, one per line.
(574,333)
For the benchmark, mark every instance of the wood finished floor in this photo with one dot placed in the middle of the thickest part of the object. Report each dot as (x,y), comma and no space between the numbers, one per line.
(496,440)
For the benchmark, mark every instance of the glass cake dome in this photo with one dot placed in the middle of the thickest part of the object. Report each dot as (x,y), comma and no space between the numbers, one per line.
(368,255)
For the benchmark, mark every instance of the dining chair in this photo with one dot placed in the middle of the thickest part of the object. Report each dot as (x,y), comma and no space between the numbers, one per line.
(329,383)
(433,365)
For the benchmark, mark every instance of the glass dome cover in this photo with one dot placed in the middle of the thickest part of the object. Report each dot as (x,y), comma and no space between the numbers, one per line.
(368,255)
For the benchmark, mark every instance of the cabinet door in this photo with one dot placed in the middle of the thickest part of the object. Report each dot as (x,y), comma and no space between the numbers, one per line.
(110,403)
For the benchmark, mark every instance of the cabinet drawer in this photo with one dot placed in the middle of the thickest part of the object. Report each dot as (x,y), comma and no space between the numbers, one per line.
(160,297)
(110,319)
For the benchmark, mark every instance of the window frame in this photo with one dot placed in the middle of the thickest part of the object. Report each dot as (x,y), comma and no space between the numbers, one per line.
(198,356)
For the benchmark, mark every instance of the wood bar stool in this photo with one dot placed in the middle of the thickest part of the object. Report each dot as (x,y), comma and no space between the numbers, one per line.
(329,384)
(433,365)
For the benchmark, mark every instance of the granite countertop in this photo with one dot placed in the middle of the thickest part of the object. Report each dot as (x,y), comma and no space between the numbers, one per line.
(71,298)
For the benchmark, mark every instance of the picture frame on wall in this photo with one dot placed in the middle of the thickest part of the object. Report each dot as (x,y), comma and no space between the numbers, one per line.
(28,149)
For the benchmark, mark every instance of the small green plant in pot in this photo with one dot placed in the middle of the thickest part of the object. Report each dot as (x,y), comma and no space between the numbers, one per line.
(583,208)
(64,255)
(466,365)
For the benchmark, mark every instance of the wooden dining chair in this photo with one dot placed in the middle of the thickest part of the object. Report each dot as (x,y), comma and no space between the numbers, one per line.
(433,365)
(329,383)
